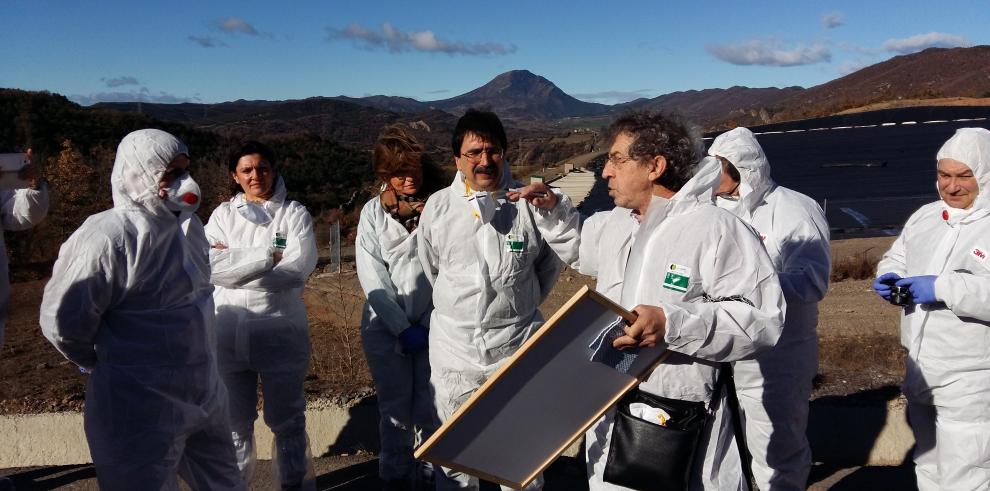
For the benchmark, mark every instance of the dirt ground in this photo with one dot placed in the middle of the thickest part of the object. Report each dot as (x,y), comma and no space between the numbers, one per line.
(858,332)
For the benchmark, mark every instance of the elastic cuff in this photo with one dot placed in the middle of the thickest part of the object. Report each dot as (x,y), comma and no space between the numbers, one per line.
(559,210)
(942,288)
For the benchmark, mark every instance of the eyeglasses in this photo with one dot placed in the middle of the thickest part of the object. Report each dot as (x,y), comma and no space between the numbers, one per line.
(474,155)
(617,159)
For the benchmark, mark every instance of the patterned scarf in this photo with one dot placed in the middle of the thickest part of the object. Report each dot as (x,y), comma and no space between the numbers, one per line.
(404,209)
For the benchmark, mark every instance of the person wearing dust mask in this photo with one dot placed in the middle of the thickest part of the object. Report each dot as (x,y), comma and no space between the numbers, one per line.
(492,252)
(130,303)
(939,271)
(774,387)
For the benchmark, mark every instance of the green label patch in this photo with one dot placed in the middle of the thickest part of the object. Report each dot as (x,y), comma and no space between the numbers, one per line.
(515,243)
(677,278)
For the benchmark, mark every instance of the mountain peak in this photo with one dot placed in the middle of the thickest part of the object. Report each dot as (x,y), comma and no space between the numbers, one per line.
(524,95)
(519,82)
(518,75)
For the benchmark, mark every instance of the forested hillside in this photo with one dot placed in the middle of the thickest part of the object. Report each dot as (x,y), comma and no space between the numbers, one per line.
(75,146)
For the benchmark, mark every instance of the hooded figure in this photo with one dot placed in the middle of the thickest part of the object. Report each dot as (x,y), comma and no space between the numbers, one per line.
(263,250)
(774,388)
(130,302)
(941,257)
(729,307)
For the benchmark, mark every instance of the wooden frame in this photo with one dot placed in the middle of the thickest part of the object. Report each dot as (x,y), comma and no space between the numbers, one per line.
(541,401)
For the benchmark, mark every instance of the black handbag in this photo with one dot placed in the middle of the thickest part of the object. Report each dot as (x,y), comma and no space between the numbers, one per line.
(646,456)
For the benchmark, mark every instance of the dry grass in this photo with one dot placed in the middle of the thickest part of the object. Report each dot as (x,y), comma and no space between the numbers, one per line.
(945,101)
(864,353)
(858,364)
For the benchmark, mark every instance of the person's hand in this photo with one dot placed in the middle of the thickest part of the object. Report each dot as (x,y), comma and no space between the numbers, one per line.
(277,256)
(537,193)
(882,284)
(219,246)
(648,330)
(414,339)
(922,288)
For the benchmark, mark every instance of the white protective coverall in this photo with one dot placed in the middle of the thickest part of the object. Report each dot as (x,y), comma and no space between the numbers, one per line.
(774,388)
(947,382)
(398,295)
(485,295)
(130,299)
(262,325)
(20,209)
(723,258)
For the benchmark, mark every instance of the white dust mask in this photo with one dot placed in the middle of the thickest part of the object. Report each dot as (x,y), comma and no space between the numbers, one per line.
(183,194)
(254,212)
(483,205)
(726,203)
(955,215)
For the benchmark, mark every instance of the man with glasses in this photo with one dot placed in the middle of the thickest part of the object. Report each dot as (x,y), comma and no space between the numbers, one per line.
(492,252)
(697,277)
(774,388)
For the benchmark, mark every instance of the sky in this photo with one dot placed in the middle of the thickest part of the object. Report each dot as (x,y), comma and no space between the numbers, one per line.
(601,51)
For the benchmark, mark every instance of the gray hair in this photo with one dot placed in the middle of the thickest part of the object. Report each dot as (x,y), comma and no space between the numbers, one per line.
(656,134)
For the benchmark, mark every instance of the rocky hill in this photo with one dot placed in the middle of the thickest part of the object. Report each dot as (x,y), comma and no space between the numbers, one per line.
(929,74)
(714,107)
(522,95)
(388,103)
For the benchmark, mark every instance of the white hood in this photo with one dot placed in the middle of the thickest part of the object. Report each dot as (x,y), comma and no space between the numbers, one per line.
(702,185)
(142,157)
(698,191)
(971,146)
(739,147)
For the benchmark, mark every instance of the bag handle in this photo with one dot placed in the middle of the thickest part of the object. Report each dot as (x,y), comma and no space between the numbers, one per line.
(725,379)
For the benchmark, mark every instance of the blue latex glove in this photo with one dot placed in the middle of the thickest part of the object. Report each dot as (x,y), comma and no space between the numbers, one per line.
(882,284)
(414,339)
(922,288)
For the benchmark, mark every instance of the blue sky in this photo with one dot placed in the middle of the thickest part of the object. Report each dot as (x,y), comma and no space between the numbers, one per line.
(215,51)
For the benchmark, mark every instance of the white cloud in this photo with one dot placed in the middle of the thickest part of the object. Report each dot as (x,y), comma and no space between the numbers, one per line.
(770,53)
(140,95)
(832,20)
(921,42)
(614,96)
(235,25)
(207,42)
(396,40)
(118,81)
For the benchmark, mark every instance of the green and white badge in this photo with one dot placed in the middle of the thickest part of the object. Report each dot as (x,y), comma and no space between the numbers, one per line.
(279,241)
(515,243)
(677,278)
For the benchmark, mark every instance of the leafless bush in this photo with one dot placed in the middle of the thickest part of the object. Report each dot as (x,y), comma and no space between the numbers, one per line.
(859,266)
(338,363)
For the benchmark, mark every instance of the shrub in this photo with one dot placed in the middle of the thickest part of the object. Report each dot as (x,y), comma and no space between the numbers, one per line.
(859,266)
